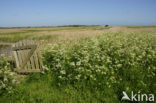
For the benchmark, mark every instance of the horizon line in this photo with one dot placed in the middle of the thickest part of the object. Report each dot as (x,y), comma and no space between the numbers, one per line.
(77,25)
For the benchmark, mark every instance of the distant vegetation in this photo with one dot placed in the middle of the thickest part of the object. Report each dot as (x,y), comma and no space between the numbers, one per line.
(49,26)
(106,25)
(141,26)
(78,25)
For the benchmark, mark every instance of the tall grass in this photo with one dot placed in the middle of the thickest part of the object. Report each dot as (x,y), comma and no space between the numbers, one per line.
(47,34)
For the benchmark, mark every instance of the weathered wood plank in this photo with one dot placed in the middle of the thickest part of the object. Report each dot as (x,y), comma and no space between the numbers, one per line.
(19,56)
(28,71)
(26,42)
(23,47)
(39,60)
(32,59)
(6,43)
(35,59)
(14,53)
(25,54)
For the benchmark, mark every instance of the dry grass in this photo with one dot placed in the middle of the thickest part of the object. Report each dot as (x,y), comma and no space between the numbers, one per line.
(54,34)
(133,29)
(49,34)
(10,30)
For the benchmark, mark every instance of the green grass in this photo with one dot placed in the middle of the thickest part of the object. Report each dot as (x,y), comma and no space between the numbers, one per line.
(14,36)
(44,89)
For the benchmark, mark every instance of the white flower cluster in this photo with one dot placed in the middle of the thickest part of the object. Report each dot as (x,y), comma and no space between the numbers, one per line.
(105,60)
(7,79)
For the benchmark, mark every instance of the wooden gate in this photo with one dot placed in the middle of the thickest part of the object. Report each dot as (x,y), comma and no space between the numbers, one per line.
(27,57)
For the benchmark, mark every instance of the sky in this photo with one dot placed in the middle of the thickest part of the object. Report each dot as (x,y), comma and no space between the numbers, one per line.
(19,13)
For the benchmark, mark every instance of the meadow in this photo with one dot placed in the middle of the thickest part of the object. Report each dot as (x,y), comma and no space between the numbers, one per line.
(83,64)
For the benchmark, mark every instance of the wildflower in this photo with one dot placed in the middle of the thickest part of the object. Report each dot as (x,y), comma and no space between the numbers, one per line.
(13,81)
(78,77)
(98,70)
(63,72)
(119,65)
(72,64)
(78,63)
(60,77)
(11,74)
(5,79)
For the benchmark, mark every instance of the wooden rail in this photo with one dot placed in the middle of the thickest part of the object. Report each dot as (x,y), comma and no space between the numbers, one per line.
(6,43)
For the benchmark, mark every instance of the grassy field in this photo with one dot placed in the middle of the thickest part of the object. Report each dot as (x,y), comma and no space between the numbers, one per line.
(88,64)
(54,34)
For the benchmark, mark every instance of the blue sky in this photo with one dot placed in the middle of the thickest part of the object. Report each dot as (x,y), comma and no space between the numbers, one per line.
(72,12)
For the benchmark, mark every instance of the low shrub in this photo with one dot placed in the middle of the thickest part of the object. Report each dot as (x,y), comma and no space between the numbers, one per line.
(117,61)
(7,76)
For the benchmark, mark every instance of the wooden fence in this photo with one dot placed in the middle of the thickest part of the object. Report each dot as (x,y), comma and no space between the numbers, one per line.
(26,56)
